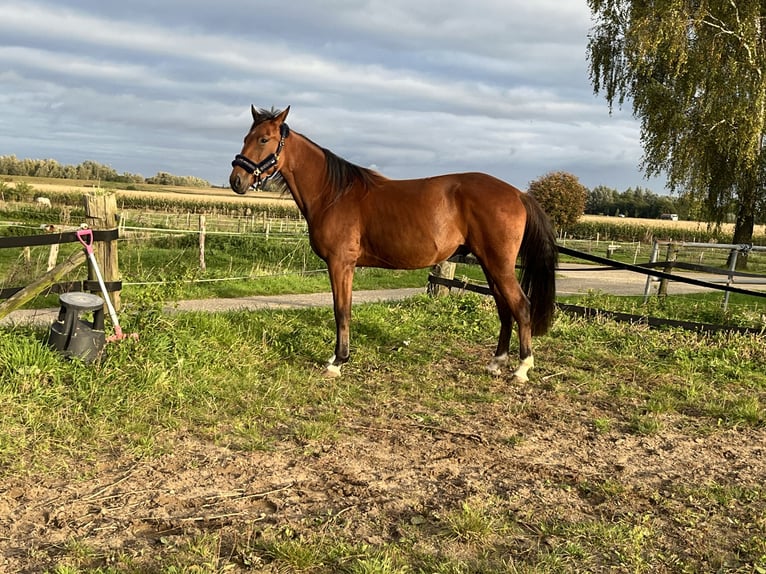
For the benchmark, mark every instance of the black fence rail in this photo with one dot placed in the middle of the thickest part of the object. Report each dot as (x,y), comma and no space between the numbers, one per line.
(653,269)
(58,238)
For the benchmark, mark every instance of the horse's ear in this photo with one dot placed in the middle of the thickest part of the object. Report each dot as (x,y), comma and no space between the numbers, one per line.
(254,112)
(283,116)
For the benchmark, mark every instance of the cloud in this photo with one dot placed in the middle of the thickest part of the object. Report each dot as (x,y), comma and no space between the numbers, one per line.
(414,88)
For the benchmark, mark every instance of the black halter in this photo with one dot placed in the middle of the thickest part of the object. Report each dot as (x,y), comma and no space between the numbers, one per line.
(258,169)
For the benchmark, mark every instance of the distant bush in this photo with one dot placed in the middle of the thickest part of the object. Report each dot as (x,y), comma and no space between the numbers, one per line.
(22,191)
(562,196)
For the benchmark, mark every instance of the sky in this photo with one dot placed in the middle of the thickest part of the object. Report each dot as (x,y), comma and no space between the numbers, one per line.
(409,88)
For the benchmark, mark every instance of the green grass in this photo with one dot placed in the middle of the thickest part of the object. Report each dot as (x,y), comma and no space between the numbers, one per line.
(250,381)
(742,310)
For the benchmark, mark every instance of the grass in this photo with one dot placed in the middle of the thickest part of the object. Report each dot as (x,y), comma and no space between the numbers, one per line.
(249,381)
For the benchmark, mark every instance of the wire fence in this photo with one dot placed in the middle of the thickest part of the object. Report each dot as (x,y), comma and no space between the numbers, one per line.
(177,236)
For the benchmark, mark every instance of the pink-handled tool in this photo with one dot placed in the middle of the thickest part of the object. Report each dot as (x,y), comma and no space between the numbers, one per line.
(85,236)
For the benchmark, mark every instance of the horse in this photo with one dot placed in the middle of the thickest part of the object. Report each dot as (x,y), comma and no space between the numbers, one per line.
(359,218)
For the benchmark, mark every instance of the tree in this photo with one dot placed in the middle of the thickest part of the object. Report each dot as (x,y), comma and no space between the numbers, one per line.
(562,196)
(601,200)
(696,73)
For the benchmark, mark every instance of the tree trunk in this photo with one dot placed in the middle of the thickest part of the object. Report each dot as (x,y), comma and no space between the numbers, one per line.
(745,225)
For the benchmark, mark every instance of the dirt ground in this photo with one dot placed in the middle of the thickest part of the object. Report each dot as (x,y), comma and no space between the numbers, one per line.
(383,469)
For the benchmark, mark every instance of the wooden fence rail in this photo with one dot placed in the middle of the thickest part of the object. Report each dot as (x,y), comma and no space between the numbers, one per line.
(100,210)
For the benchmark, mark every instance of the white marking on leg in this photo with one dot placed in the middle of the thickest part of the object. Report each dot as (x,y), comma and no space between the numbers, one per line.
(496,364)
(521,372)
(332,370)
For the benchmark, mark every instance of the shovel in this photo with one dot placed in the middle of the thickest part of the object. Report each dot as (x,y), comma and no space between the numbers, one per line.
(85,236)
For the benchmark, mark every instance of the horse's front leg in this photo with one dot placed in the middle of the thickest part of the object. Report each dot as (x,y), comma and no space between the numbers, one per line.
(341,280)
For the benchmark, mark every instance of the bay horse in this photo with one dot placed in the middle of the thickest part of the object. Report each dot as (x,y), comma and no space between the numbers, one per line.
(359,218)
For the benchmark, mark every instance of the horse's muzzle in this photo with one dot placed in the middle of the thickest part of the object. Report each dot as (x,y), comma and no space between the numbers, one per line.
(238,183)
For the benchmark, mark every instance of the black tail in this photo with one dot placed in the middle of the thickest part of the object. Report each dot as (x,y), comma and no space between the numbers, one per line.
(539,258)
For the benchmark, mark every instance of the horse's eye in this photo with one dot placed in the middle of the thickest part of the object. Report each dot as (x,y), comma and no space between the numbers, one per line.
(264,141)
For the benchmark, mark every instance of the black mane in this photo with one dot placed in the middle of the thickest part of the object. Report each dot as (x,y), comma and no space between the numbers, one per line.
(341,173)
(260,115)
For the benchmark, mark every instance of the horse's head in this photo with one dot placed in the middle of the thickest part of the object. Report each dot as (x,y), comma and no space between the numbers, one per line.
(259,158)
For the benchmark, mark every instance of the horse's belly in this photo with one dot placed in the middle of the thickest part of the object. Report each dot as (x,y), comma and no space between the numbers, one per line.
(409,255)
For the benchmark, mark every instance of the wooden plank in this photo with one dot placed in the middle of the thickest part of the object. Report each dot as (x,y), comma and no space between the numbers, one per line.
(31,291)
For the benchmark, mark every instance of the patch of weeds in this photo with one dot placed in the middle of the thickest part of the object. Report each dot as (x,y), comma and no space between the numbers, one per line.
(287,550)
(602,491)
(647,424)
(602,425)
(314,430)
(471,525)
(294,553)
(513,440)
(752,552)
(375,564)
(590,545)
(736,410)
(725,494)
(661,401)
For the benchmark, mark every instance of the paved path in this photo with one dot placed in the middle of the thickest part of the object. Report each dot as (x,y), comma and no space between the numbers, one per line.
(571,279)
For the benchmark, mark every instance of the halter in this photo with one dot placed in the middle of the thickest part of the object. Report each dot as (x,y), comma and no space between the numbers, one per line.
(258,169)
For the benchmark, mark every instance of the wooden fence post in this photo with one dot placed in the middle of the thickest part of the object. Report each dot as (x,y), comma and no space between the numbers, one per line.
(446,270)
(202,231)
(101,213)
(671,257)
(38,286)
(53,256)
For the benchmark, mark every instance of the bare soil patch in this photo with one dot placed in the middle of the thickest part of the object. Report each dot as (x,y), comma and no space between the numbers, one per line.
(538,454)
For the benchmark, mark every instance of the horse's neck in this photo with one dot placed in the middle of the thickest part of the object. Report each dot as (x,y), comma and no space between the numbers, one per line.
(305,176)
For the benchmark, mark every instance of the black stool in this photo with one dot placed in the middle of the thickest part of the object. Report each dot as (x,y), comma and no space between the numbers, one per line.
(74,337)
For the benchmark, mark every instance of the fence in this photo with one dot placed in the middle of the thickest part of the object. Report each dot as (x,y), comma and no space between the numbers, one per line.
(732,254)
(143,226)
(442,279)
(100,215)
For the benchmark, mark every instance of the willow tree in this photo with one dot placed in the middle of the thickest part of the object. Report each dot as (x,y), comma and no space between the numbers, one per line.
(694,71)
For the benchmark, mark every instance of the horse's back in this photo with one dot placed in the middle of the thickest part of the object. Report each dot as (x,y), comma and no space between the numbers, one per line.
(418,222)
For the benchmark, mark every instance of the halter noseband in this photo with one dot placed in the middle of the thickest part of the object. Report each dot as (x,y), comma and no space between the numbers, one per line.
(258,169)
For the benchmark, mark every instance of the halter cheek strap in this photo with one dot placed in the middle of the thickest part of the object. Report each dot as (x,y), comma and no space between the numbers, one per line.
(258,169)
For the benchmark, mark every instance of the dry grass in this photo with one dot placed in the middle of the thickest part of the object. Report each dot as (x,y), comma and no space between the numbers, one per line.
(211,194)
(726,228)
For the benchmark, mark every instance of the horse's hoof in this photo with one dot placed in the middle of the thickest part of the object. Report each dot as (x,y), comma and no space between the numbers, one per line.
(332,371)
(494,370)
(496,365)
(519,379)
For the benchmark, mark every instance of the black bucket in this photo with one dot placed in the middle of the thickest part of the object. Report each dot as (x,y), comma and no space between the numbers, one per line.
(76,337)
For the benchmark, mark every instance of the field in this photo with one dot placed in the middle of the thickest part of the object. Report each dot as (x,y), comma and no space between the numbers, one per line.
(50,187)
(212,444)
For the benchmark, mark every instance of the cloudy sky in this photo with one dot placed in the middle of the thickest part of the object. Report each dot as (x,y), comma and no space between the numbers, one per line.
(411,88)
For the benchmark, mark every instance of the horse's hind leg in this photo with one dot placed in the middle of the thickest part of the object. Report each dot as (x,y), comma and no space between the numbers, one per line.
(511,303)
(506,327)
